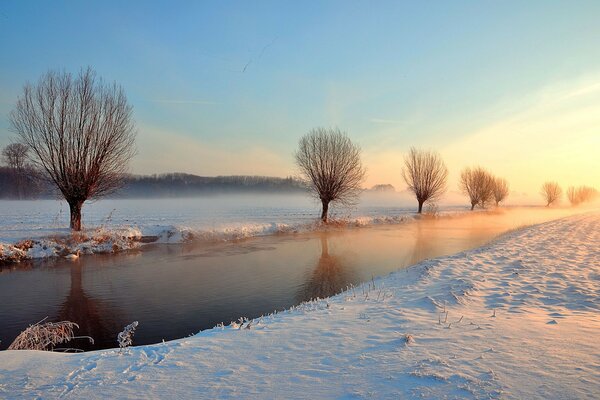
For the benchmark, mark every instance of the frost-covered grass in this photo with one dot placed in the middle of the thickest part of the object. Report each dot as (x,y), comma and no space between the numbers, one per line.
(45,336)
(514,319)
(36,229)
(71,245)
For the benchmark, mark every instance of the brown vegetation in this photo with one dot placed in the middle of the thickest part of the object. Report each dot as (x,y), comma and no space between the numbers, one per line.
(581,194)
(500,190)
(331,164)
(425,174)
(45,336)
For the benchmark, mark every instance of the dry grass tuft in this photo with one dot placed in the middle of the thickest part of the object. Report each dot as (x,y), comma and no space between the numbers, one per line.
(44,336)
(25,244)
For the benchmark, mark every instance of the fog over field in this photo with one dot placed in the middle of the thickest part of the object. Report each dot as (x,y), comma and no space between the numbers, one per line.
(247,214)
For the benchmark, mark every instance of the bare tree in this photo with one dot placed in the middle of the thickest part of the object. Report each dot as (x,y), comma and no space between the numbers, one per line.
(581,194)
(551,192)
(15,156)
(478,184)
(80,132)
(331,164)
(573,196)
(425,174)
(500,190)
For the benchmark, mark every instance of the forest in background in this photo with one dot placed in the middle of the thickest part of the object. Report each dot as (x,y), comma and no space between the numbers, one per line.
(31,186)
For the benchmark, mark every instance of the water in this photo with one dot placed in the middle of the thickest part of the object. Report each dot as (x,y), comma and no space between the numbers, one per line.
(178,290)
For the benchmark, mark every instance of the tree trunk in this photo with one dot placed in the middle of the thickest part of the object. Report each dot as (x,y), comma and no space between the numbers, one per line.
(473,206)
(420,206)
(325,209)
(75,207)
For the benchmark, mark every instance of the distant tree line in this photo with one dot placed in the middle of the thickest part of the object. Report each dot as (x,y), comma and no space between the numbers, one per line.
(31,186)
(482,187)
(178,184)
(383,188)
(552,192)
(581,194)
(19,179)
(76,137)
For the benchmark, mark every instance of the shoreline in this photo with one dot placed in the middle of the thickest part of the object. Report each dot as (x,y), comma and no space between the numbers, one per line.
(116,239)
(450,326)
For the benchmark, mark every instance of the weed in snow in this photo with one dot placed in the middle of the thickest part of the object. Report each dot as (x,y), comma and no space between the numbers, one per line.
(125,338)
(45,336)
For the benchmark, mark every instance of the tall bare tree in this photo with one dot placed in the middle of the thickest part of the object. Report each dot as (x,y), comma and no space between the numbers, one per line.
(81,133)
(500,190)
(551,192)
(478,184)
(425,174)
(15,156)
(331,164)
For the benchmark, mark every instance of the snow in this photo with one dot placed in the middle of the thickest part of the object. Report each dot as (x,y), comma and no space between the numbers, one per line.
(120,224)
(117,225)
(517,318)
(87,242)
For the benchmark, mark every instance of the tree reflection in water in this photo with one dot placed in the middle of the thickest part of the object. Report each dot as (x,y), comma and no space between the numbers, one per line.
(331,275)
(424,246)
(94,317)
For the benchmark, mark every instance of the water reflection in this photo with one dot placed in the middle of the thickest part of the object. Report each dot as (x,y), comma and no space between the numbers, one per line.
(95,318)
(424,244)
(177,290)
(331,275)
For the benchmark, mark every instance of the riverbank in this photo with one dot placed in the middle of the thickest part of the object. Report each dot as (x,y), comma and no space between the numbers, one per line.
(517,319)
(39,237)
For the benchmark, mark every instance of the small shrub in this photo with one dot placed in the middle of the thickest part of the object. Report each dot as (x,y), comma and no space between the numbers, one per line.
(125,338)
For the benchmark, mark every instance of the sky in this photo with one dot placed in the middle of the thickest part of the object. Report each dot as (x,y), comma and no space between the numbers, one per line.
(225,87)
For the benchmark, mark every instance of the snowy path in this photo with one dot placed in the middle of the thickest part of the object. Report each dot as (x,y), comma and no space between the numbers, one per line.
(522,321)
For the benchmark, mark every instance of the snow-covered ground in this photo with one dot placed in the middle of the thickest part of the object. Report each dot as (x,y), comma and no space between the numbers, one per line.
(39,229)
(519,318)
(114,225)
(227,216)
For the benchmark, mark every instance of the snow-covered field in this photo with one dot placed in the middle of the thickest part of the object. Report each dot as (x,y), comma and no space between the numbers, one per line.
(40,228)
(112,225)
(226,216)
(519,318)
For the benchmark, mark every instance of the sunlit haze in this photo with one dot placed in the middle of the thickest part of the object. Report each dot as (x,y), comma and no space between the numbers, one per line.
(228,88)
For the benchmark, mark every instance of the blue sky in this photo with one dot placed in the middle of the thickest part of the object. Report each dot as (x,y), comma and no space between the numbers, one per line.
(229,87)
